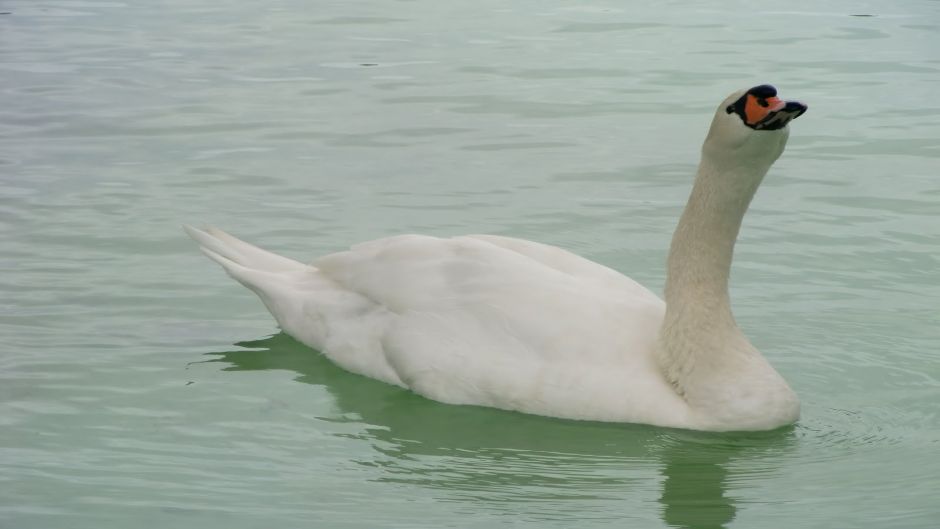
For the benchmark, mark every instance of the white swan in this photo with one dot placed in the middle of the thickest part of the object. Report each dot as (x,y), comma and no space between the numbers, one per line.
(518,325)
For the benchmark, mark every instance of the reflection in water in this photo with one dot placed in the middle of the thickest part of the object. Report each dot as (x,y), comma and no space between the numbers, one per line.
(694,493)
(522,463)
(689,501)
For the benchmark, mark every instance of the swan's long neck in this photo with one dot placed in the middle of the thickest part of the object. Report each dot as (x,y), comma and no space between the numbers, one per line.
(725,381)
(703,244)
(700,342)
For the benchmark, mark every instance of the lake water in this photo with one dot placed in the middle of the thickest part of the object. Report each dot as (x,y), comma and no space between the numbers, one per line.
(143,388)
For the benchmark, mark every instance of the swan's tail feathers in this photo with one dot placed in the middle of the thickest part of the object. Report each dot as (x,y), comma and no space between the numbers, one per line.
(237,256)
(278,281)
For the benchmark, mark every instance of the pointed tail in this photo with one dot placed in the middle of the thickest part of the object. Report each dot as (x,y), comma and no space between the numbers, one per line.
(237,256)
(274,278)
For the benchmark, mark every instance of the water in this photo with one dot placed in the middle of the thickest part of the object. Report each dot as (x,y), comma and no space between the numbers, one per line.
(141,387)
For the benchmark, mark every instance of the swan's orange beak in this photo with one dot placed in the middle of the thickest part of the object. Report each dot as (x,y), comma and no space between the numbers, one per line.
(761,109)
(756,109)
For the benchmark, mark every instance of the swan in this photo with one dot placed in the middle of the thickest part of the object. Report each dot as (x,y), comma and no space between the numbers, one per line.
(508,323)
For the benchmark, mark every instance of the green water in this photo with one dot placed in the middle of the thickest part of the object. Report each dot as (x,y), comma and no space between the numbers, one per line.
(140,387)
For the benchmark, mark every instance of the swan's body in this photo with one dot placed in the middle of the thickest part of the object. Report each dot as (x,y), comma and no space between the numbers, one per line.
(513,324)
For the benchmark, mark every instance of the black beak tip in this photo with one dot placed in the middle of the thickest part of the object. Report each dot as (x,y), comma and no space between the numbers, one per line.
(796,108)
(796,105)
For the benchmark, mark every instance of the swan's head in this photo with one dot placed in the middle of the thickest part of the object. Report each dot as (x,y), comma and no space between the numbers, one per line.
(752,124)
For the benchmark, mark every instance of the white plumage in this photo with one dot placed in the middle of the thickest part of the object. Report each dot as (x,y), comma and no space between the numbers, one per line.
(518,325)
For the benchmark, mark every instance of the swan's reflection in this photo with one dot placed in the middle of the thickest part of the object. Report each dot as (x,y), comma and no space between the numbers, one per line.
(521,463)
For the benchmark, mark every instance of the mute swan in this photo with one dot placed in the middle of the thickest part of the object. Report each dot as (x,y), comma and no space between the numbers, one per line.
(518,325)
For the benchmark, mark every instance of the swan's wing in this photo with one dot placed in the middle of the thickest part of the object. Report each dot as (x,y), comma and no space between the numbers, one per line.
(493,321)
(417,272)
(570,263)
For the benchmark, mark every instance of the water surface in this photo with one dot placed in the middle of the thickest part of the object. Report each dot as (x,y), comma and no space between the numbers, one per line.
(141,387)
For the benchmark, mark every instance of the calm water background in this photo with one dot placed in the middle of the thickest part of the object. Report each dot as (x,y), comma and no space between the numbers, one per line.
(142,388)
